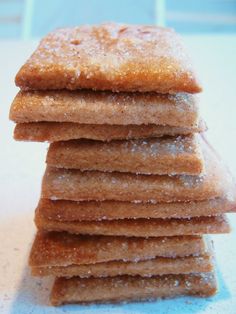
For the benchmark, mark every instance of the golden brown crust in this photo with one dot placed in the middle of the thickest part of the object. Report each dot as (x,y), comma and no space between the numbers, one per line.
(175,155)
(110,56)
(139,227)
(64,131)
(94,185)
(129,288)
(63,249)
(89,107)
(62,210)
(148,268)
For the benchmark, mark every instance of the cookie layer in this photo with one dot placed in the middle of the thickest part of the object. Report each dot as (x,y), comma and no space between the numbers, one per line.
(148,268)
(63,210)
(94,185)
(175,155)
(64,131)
(139,227)
(129,288)
(64,249)
(110,56)
(89,107)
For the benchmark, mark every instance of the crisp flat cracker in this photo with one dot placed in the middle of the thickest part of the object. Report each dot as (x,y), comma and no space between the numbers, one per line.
(129,288)
(139,227)
(147,268)
(110,56)
(62,210)
(175,155)
(64,249)
(64,131)
(89,107)
(94,185)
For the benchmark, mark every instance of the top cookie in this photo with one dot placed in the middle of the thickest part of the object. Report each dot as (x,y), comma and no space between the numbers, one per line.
(110,56)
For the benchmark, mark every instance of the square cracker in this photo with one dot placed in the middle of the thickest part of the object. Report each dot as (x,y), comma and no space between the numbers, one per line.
(110,56)
(87,107)
(175,155)
(64,249)
(63,210)
(139,227)
(146,268)
(131,288)
(64,131)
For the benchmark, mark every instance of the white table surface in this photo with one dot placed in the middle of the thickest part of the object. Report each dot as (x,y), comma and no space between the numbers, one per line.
(22,166)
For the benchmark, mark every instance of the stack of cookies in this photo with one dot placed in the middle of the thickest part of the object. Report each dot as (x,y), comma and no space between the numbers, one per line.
(131,186)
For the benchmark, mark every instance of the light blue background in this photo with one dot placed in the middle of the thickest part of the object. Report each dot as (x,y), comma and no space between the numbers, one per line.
(35,18)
